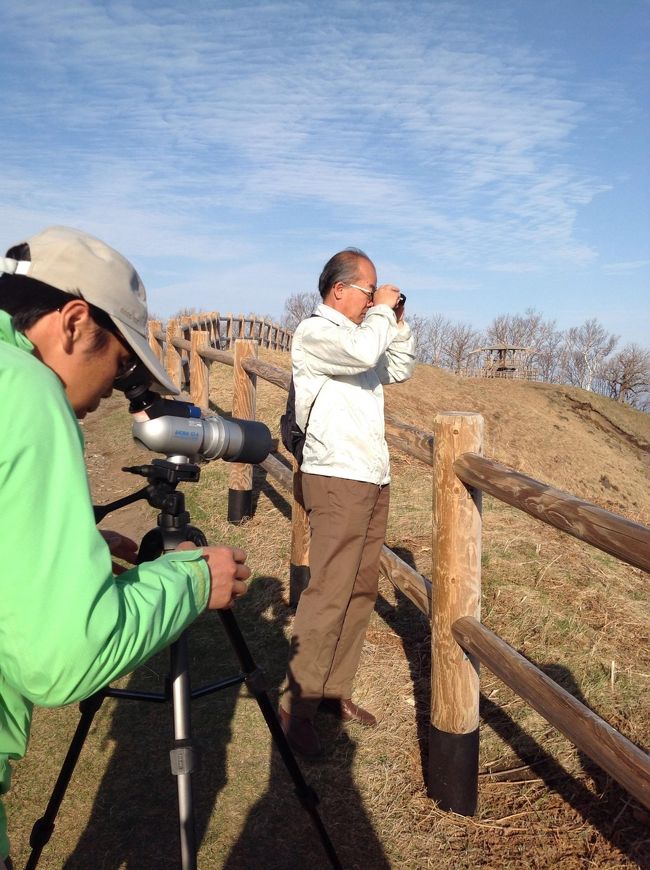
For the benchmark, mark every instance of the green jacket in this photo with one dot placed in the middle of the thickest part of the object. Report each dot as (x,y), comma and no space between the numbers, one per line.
(68,627)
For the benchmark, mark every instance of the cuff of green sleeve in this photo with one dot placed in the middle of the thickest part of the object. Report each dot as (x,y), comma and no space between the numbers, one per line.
(199,573)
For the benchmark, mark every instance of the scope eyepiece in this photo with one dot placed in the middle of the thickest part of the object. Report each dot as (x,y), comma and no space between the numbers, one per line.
(135,377)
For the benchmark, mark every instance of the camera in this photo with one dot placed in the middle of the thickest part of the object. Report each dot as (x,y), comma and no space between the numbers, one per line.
(178,428)
(401,300)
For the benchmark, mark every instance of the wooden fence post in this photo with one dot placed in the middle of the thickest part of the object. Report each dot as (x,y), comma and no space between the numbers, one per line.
(199,370)
(185,332)
(300,536)
(155,326)
(216,330)
(240,492)
(454,730)
(229,327)
(172,356)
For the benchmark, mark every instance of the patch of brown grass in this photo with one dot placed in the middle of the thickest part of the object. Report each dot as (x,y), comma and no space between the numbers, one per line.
(577,441)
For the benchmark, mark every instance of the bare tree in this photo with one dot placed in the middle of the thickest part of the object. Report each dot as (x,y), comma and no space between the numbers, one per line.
(530,330)
(461,339)
(499,331)
(437,338)
(431,336)
(420,331)
(547,358)
(299,306)
(516,330)
(586,348)
(626,376)
(186,311)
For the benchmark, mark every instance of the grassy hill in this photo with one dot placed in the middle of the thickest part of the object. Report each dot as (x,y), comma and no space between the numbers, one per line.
(578,441)
(579,614)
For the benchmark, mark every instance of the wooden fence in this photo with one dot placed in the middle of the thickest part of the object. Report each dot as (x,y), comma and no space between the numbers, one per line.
(224,329)
(452,599)
(522,374)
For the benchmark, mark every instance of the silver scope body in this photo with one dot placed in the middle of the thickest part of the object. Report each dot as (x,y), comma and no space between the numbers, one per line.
(207,437)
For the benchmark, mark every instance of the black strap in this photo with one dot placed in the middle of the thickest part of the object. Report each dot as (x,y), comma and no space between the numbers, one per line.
(311,407)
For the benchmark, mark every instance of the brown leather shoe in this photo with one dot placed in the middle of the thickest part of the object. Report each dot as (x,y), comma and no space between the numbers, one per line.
(348,711)
(300,733)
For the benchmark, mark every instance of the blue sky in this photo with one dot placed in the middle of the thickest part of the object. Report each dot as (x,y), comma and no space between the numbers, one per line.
(489,156)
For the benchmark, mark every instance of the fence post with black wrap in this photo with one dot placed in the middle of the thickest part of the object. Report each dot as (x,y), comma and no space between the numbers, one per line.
(456,592)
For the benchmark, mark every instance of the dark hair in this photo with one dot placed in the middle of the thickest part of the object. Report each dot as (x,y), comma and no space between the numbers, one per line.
(340,267)
(27,300)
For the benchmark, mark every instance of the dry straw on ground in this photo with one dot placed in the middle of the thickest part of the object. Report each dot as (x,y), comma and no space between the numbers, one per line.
(579,614)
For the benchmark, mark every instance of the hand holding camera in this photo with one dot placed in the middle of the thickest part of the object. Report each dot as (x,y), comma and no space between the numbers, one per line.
(389,294)
(228,573)
(399,308)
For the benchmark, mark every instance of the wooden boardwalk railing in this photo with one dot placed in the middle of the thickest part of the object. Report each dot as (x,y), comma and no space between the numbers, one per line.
(452,598)
(224,329)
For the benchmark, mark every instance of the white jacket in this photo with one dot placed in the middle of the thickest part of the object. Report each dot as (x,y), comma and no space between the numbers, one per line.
(342,365)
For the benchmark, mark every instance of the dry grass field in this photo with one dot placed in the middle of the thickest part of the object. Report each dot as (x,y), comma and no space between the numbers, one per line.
(580,615)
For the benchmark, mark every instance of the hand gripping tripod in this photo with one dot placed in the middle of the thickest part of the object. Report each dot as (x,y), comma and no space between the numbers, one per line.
(174,528)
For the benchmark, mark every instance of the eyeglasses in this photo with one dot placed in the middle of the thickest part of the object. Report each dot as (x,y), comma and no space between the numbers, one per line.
(369,293)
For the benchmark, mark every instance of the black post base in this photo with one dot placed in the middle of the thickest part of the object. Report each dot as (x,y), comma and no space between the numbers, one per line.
(298,581)
(240,505)
(453,771)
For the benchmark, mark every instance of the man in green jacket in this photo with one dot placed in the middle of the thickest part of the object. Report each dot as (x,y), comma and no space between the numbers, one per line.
(73,316)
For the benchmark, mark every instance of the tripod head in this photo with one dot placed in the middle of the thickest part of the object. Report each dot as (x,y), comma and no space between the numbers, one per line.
(173,525)
(163,475)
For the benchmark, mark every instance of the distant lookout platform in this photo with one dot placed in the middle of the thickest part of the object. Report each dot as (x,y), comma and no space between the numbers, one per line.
(501,361)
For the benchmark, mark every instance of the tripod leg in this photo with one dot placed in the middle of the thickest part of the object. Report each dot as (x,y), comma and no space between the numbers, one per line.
(183,755)
(43,828)
(254,680)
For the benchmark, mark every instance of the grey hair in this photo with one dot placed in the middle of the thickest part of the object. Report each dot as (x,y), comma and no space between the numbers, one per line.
(341,267)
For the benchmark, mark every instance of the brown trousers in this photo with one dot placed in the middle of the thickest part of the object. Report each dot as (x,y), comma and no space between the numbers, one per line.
(348,525)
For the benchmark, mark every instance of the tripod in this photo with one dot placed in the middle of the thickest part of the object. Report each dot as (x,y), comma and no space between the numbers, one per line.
(174,528)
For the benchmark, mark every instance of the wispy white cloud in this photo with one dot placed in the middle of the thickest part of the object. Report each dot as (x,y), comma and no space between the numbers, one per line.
(515,268)
(213,132)
(626,267)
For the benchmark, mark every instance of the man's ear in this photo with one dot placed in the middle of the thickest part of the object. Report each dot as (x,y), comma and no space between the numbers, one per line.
(337,290)
(75,319)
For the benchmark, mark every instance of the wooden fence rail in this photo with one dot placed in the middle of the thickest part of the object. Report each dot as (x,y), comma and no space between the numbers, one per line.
(224,329)
(452,599)
(609,532)
(617,755)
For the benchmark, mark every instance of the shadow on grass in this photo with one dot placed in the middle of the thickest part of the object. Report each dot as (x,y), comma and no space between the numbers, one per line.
(134,819)
(278,833)
(262,484)
(413,628)
(608,808)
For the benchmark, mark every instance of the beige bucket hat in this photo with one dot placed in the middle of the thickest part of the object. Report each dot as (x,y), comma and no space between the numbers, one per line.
(84,266)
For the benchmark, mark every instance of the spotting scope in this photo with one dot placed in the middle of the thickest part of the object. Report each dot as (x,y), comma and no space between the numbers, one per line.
(177,428)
